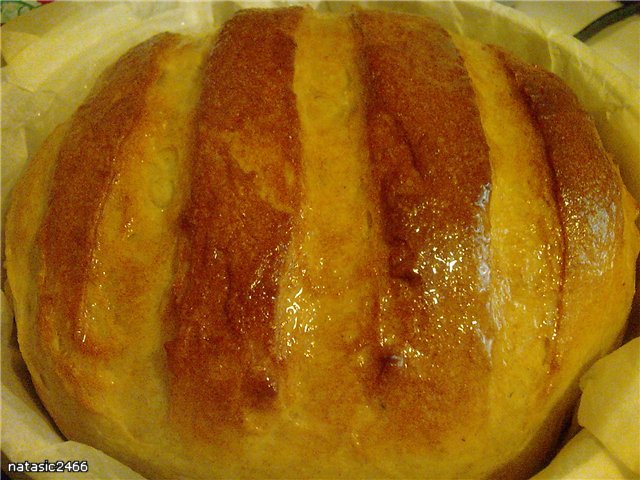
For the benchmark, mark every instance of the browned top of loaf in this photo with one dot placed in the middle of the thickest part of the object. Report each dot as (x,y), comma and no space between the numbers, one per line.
(333,265)
(423,134)
(221,358)
(86,167)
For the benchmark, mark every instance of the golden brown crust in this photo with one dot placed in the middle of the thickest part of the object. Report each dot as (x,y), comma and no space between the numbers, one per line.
(312,248)
(221,359)
(520,76)
(86,167)
(432,332)
(587,190)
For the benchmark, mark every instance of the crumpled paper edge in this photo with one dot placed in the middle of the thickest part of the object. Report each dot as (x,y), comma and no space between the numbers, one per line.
(609,444)
(607,94)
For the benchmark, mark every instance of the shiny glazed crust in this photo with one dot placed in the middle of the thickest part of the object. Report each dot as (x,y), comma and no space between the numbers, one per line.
(320,246)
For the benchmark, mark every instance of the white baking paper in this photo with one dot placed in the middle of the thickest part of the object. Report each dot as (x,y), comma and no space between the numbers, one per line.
(53,56)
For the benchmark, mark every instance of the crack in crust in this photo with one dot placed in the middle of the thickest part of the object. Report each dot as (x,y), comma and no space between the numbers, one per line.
(87,165)
(434,310)
(233,240)
(590,223)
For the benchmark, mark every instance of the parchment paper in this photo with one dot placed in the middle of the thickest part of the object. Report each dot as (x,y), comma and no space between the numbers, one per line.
(54,54)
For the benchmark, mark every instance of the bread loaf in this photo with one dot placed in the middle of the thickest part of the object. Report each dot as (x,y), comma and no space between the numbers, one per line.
(334,246)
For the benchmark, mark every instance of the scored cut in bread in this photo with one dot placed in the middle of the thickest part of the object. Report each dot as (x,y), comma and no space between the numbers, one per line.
(320,245)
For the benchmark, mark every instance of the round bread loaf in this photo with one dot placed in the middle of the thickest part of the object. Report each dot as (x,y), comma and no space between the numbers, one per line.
(332,246)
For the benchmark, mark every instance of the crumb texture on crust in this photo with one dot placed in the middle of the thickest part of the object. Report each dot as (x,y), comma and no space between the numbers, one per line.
(316,245)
